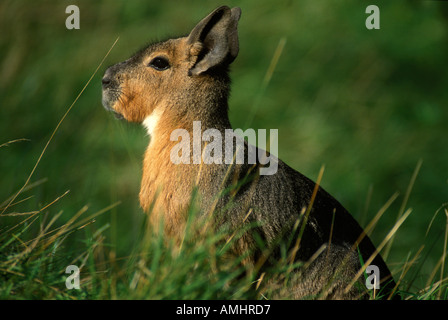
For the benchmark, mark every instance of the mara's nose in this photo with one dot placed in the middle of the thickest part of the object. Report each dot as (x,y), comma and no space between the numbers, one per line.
(105,81)
(107,78)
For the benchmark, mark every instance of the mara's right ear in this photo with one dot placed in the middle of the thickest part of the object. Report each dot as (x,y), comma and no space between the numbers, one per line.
(218,36)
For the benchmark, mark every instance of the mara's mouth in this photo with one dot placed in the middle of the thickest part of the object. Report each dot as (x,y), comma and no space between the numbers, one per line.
(108,102)
(117,115)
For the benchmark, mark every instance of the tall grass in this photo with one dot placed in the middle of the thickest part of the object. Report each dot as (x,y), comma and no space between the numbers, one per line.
(36,248)
(35,252)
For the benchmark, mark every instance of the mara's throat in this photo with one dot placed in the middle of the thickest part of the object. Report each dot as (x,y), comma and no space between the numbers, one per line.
(150,123)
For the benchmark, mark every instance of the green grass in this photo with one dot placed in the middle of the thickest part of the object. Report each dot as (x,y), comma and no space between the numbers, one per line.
(370,105)
(36,250)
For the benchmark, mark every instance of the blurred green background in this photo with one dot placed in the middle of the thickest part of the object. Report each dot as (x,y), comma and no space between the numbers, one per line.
(367,104)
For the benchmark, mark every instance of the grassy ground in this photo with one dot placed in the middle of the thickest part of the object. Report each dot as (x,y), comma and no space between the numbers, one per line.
(369,104)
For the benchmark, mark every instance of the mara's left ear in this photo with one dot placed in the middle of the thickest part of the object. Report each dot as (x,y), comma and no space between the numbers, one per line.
(218,35)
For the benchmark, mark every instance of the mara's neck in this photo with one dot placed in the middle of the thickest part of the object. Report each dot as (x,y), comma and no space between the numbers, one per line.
(167,183)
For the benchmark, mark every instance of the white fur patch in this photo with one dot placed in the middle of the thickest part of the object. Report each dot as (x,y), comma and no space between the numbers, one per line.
(150,123)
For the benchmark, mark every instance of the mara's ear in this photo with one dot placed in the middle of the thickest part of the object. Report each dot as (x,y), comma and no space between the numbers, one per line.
(218,35)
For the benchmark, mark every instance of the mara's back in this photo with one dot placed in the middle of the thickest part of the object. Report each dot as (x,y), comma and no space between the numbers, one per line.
(332,245)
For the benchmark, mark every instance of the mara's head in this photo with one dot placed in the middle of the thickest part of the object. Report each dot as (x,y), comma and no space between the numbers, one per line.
(176,74)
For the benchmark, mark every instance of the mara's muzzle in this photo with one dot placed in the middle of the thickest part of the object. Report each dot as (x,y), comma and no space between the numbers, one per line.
(111,92)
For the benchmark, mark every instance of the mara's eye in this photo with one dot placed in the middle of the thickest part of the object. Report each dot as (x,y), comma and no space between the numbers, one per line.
(159,63)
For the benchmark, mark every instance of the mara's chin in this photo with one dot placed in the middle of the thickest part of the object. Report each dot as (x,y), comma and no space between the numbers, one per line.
(108,107)
(117,115)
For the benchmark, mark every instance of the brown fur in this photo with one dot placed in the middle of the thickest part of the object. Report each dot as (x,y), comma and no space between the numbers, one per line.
(195,87)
